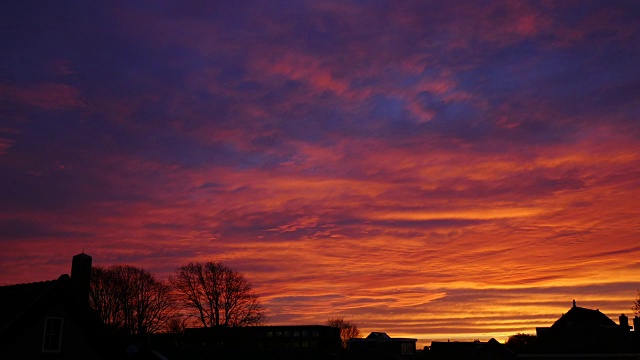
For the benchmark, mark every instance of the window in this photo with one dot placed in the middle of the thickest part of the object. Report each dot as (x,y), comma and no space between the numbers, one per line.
(52,339)
(407,348)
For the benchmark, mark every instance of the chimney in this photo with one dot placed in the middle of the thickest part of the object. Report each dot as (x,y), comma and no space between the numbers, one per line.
(624,322)
(81,279)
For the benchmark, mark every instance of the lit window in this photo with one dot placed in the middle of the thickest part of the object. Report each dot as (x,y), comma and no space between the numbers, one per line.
(52,339)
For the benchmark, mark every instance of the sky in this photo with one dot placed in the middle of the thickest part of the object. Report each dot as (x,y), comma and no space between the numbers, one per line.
(432,169)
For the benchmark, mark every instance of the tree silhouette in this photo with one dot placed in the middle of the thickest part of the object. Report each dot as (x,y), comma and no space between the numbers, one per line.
(348,329)
(103,298)
(521,343)
(130,299)
(217,295)
(177,325)
(636,304)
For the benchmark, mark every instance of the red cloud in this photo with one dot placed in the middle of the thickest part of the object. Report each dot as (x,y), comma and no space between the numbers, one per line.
(5,144)
(48,96)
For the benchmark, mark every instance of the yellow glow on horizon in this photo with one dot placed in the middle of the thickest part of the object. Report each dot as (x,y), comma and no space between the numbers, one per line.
(479,214)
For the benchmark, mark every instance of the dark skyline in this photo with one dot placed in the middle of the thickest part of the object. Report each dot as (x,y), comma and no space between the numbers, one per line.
(434,170)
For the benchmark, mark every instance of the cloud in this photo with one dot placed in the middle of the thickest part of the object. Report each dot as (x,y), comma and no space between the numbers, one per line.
(5,144)
(426,169)
(21,229)
(478,214)
(48,96)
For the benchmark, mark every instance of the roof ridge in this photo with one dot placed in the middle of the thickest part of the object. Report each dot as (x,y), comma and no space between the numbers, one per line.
(50,284)
(29,283)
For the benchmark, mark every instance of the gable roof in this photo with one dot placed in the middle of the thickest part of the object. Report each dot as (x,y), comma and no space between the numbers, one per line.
(579,317)
(17,299)
(378,336)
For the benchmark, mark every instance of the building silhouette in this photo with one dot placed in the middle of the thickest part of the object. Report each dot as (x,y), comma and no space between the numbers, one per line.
(52,319)
(585,331)
(264,342)
(469,350)
(379,345)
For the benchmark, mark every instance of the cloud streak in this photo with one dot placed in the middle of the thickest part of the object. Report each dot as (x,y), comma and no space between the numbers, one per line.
(432,170)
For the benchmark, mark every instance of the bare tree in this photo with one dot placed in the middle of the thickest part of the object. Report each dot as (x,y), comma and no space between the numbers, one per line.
(217,295)
(130,299)
(177,325)
(348,329)
(104,297)
(636,304)
(521,343)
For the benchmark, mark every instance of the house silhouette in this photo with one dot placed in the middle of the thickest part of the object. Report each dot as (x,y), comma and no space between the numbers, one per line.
(379,345)
(585,331)
(52,319)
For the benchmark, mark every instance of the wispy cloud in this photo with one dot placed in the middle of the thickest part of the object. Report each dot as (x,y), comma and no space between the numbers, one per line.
(430,169)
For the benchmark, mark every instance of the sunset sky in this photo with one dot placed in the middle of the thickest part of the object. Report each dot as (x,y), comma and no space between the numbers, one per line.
(431,169)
